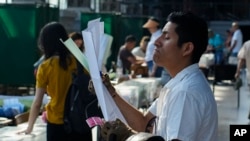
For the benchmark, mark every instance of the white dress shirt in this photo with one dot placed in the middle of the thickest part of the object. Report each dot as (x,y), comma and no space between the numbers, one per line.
(151,46)
(186,108)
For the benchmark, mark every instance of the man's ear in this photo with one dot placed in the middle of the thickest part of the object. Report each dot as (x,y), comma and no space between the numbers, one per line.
(187,48)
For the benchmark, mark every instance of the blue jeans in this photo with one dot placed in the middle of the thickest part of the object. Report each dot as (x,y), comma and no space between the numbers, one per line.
(218,57)
(158,72)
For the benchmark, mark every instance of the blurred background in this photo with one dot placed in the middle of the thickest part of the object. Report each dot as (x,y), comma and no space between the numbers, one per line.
(21,21)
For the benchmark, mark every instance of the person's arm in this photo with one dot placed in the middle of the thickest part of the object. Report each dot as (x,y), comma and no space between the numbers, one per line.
(233,45)
(241,62)
(35,109)
(209,48)
(135,119)
(132,59)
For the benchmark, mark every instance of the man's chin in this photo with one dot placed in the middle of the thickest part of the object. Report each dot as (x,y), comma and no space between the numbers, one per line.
(156,60)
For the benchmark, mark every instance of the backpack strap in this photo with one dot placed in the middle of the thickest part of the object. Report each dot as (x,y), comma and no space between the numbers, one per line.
(79,67)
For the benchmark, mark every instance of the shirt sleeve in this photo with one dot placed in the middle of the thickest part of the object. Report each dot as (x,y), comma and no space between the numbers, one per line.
(41,78)
(152,108)
(242,54)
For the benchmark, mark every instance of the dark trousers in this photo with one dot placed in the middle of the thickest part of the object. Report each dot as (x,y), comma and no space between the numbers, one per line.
(56,132)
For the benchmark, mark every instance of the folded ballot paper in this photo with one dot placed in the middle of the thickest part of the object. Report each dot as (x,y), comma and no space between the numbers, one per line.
(96,44)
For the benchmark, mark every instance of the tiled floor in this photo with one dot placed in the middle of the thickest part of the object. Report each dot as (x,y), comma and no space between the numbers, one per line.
(228,111)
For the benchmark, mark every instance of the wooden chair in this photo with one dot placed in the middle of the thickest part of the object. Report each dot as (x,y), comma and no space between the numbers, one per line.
(21,118)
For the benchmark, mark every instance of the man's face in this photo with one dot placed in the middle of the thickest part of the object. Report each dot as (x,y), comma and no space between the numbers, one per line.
(131,45)
(167,53)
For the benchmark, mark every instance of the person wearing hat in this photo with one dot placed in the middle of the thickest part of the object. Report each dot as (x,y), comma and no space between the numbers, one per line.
(153,26)
(237,39)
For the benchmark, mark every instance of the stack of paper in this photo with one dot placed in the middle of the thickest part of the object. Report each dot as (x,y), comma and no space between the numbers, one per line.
(96,44)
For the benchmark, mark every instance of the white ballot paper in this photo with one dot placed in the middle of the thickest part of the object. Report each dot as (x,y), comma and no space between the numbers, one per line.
(95,51)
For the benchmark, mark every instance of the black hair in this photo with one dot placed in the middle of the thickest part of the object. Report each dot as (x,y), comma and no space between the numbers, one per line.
(191,28)
(76,36)
(130,38)
(49,42)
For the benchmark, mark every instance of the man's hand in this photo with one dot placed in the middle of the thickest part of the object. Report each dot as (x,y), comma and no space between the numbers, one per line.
(106,82)
(116,130)
(91,87)
(109,86)
(237,74)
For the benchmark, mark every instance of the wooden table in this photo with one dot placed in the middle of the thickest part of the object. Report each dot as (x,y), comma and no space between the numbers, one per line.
(9,133)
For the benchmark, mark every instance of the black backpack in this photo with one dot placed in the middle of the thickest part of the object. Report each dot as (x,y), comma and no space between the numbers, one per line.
(80,104)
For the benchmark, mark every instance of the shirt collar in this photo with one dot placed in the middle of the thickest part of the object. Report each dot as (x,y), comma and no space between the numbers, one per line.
(178,78)
(157,32)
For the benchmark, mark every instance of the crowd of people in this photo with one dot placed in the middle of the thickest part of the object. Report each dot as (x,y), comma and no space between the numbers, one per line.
(142,55)
(185,109)
(225,49)
(54,74)
(232,51)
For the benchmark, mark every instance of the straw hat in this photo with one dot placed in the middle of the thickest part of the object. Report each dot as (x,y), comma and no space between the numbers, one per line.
(152,22)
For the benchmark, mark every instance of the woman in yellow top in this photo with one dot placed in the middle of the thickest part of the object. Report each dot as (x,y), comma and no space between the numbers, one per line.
(54,76)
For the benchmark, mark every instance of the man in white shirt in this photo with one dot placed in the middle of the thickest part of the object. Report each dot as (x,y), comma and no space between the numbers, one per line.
(244,59)
(236,43)
(186,109)
(153,26)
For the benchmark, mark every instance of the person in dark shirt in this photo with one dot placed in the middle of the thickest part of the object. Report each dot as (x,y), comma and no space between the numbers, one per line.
(125,55)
